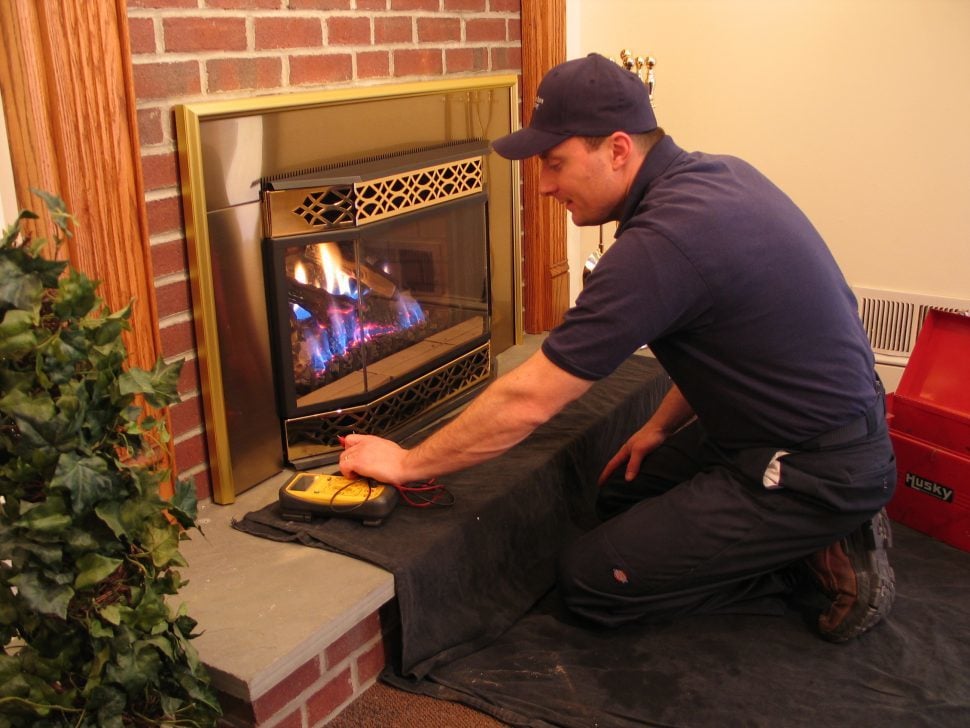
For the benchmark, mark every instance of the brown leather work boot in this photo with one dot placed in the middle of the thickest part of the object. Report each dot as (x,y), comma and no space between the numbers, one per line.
(855,573)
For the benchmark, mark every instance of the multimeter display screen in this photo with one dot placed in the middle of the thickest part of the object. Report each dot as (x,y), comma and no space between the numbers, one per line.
(301,484)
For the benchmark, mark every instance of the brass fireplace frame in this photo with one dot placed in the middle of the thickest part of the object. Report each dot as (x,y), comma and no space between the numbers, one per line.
(219,139)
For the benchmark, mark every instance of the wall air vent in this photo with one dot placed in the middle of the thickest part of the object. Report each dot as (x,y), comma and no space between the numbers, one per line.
(893,320)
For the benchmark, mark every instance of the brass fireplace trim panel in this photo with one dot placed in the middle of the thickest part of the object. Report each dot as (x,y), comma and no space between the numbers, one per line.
(339,207)
(225,478)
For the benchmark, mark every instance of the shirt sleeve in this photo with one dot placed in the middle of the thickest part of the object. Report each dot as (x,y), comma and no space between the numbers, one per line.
(642,288)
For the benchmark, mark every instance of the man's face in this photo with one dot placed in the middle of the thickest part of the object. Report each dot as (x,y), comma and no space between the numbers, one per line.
(582,179)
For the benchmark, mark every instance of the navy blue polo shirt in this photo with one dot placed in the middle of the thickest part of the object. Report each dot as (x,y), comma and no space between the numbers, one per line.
(737,296)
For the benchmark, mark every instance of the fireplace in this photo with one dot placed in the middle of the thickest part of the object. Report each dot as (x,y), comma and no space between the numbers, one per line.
(354,261)
(378,293)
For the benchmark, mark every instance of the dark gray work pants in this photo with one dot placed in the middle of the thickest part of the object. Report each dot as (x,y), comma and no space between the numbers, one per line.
(698,532)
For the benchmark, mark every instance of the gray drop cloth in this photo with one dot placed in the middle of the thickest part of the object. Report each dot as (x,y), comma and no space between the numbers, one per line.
(463,575)
(735,670)
(482,625)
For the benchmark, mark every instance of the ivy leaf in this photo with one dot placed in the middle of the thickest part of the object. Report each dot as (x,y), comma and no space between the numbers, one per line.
(94,568)
(160,385)
(42,595)
(12,231)
(111,614)
(57,209)
(86,479)
(110,513)
(49,517)
(162,544)
(19,289)
(75,296)
(183,505)
(31,413)
(17,333)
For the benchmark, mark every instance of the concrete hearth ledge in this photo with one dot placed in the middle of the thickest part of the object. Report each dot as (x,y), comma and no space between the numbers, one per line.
(265,608)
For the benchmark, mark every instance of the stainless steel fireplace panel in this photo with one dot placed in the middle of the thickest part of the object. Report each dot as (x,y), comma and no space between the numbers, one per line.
(247,376)
(227,147)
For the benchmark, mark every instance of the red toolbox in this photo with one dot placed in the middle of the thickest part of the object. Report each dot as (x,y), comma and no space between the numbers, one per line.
(929,422)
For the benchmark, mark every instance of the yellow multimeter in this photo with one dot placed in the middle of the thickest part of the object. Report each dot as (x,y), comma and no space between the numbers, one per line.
(319,494)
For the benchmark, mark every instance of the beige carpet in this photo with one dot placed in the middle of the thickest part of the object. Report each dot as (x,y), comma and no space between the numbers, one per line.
(385,707)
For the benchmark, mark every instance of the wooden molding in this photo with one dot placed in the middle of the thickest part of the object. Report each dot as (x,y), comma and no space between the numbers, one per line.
(545,266)
(69,104)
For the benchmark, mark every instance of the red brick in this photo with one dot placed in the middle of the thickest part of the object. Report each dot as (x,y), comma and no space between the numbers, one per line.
(141,32)
(191,452)
(235,74)
(150,130)
(166,80)
(160,170)
(320,69)
(203,485)
(414,4)
(479,29)
(168,258)
(438,30)
(162,3)
(189,378)
(173,298)
(190,35)
(515,29)
(245,4)
(321,5)
(355,638)
(325,701)
(506,58)
(460,5)
(348,31)
(274,33)
(164,215)
(463,60)
(187,415)
(394,29)
(177,338)
(286,690)
(417,62)
(293,720)
(370,664)
(373,64)
(372,4)
(505,6)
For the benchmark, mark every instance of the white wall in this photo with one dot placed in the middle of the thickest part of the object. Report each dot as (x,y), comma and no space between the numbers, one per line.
(858,109)
(8,198)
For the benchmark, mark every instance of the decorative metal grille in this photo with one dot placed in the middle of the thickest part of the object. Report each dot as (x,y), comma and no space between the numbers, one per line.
(329,207)
(319,434)
(397,194)
(341,206)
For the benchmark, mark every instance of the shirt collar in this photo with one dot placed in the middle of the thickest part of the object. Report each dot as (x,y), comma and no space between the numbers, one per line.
(658,160)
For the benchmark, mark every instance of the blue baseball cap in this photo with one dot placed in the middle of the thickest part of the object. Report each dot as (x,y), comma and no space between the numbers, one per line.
(591,96)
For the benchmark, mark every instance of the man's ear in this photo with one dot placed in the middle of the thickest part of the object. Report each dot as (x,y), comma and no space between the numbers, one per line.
(621,148)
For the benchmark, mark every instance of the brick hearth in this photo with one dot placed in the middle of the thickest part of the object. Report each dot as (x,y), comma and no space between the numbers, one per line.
(290,634)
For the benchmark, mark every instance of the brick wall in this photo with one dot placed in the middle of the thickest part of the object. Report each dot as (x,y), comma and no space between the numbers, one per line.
(194,50)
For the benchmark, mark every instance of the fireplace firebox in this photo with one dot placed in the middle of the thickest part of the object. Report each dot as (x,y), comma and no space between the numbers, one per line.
(354,257)
(378,291)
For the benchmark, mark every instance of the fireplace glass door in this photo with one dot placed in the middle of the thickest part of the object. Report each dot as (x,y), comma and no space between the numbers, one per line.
(359,313)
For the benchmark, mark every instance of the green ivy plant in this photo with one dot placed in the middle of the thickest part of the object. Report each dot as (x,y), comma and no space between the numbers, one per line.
(88,549)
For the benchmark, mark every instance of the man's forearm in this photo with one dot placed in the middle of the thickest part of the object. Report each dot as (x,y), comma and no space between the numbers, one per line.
(673,413)
(501,417)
